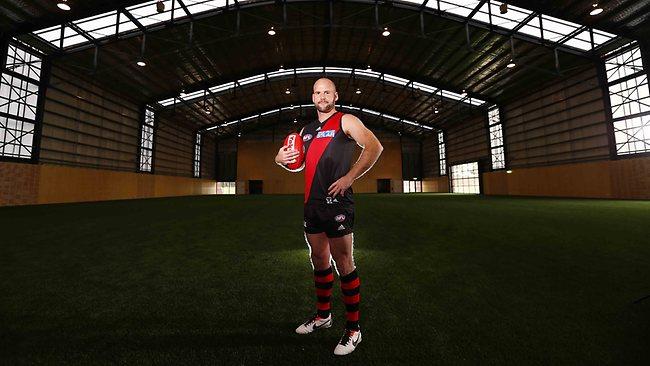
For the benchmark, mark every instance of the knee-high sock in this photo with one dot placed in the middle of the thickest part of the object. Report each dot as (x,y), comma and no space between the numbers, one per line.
(350,285)
(324,281)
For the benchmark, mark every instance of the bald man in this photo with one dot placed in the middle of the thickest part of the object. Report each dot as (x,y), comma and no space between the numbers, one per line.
(329,209)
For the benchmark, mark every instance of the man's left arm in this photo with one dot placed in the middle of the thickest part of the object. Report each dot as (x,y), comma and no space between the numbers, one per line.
(371,146)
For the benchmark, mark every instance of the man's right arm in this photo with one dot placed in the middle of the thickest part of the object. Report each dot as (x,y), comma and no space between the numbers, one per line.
(285,157)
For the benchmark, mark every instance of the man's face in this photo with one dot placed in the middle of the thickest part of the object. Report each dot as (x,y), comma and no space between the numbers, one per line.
(324,95)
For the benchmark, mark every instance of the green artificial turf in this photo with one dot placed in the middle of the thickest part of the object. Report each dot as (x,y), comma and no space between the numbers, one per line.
(446,280)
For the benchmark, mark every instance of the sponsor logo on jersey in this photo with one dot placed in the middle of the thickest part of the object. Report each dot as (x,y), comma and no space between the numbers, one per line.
(324,134)
(339,218)
(307,137)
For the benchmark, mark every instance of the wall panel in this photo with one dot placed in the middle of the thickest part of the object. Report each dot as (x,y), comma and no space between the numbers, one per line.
(85,125)
(559,123)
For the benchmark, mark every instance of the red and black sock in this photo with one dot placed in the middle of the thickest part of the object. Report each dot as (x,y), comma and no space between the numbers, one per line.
(351,297)
(324,280)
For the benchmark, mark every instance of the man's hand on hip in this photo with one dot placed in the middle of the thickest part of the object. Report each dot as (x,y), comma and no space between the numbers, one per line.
(340,186)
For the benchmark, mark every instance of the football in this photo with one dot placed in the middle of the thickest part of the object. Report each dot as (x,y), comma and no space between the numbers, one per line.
(294,142)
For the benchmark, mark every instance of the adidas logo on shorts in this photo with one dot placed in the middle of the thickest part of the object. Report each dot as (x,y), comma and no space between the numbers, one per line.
(341,228)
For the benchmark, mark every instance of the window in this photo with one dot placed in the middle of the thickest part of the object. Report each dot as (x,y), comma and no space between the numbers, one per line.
(630,100)
(496,138)
(465,178)
(225,187)
(19,87)
(412,186)
(197,156)
(442,153)
(146,140)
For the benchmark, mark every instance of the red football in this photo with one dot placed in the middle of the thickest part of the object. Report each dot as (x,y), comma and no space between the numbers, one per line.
(294,142)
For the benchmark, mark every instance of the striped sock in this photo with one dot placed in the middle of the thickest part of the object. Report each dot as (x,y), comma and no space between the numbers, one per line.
(324,280)
(351,297)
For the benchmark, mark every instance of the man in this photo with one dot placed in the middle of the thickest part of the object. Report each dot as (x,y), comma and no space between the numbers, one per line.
(329,209)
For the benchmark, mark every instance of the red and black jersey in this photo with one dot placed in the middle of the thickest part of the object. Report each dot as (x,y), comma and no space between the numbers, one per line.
(328,157)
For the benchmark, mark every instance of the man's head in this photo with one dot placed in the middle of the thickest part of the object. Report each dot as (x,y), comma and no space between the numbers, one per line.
(324,95)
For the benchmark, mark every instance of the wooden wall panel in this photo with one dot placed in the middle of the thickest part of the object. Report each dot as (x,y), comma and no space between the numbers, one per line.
(436,185)
(22,184)
(624,178)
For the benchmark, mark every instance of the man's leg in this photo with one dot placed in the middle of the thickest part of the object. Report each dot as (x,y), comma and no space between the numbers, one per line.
(324,281)
(342,252)
(323,275)
(341,249)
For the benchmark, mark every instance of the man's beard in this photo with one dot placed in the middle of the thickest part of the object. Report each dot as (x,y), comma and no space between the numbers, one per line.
(324,108)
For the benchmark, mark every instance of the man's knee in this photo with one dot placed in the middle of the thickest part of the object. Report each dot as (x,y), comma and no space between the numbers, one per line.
(320,260)
(343,258)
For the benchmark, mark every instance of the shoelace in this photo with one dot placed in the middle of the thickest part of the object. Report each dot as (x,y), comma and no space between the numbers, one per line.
(346,337)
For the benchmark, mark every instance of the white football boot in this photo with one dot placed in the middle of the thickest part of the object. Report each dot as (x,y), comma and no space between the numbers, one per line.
(348,343)
(313,324)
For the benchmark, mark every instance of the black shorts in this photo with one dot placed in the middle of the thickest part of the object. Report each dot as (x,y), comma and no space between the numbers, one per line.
(333,220)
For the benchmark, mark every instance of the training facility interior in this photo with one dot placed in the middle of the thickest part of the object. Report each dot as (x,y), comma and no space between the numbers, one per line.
(144,220)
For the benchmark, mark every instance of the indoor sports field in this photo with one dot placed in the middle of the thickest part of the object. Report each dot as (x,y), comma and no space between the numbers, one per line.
(224,280)
(308,182)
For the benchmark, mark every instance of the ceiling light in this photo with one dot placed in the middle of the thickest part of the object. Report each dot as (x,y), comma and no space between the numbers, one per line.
(295,120)
(238,134)
(288,91)
(511,64)
(596,10)
(503,8)
(63,5)
(271,32)
(281,68)
(358,91)
(463,94)
(160,6)
(386,32)
(509,171)
(436,111)
(141,63)
(368,67)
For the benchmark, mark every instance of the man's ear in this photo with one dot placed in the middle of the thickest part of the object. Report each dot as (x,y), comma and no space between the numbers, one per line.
(336,96)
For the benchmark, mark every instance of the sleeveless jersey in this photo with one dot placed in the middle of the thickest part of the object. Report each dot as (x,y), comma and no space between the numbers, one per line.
(328,157)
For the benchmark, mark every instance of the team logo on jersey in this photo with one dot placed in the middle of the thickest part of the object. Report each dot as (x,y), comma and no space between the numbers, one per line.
(323,134)
(307,137)
(330,200)
(339,218)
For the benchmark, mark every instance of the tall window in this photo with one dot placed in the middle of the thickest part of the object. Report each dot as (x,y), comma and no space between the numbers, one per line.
(442,154)
(19,88)
(496,138)
(146,140)
(465,178)
(197,156)
(630,100)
